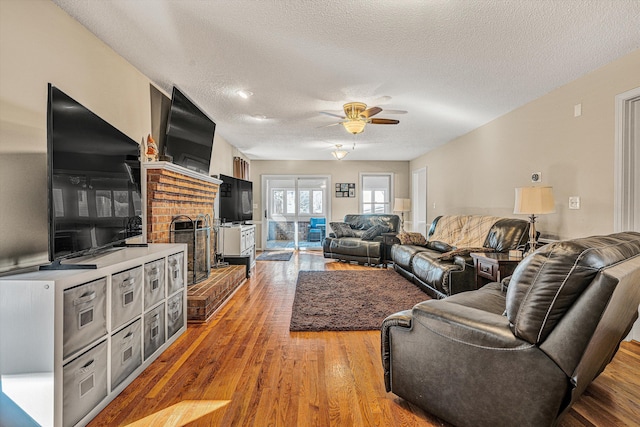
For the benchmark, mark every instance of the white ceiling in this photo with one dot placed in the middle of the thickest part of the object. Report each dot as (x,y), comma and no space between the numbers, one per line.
(452,64)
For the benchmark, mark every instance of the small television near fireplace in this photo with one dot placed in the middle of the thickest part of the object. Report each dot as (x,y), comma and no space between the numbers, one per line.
(236,200)
(94,194)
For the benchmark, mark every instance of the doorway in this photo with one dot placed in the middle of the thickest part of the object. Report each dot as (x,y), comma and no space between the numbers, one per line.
(627,177)
(296,211)
(419,200)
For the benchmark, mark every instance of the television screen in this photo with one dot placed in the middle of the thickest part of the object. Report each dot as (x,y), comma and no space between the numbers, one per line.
(190,131)
(236,199)
(94,180)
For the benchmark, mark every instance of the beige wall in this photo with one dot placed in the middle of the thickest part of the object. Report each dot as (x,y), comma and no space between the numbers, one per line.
(477,173)
(339,171)
(41,44)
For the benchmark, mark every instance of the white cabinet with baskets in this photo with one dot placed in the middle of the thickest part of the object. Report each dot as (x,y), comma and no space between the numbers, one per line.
(72,340)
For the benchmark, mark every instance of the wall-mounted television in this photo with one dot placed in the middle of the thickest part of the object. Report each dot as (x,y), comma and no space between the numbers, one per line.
(93,180)
(189,138)
(236,199)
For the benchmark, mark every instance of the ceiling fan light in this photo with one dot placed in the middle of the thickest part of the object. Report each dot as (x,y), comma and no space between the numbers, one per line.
(354,126)
(244,94)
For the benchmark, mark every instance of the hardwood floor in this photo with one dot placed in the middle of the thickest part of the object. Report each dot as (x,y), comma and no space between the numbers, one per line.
(245,368)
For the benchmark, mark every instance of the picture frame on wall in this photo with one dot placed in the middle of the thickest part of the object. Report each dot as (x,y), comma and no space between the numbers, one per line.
(345,189)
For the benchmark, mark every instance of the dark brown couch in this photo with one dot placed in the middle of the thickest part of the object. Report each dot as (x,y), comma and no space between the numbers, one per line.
(353,247)
(439,275)
(520,358)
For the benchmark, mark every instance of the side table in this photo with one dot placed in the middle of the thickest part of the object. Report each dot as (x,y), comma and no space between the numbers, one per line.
(493,266)
(388,240)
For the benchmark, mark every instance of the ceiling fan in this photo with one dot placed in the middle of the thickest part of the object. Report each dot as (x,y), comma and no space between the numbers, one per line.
(357,115)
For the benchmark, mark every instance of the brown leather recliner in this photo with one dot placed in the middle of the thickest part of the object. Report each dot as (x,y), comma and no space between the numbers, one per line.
(354,248)
(490,358)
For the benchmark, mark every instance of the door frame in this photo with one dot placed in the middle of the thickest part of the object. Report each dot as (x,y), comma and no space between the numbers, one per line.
(295,177)
(419,200)
(625,177)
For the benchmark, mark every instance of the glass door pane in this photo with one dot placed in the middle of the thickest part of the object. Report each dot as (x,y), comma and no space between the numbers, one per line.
(312,212)
(281,209)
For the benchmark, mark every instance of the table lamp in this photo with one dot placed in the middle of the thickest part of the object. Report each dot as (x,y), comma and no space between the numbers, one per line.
(402,206)
(534,201)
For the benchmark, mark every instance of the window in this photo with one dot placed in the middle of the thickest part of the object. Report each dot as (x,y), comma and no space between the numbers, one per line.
(310,202)
(376,193)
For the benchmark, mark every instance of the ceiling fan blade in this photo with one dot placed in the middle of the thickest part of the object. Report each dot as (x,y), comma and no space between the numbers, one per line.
(370,112)
(332,115)
(395,111)
(326,126)
(384,121)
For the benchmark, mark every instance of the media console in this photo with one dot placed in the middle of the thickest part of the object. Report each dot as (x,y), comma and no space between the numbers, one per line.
(72,340)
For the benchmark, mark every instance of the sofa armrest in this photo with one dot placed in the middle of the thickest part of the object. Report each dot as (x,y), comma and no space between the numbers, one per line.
(466,324)
(401,319)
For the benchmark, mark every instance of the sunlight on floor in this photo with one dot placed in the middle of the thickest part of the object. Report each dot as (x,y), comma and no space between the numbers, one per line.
(181,413)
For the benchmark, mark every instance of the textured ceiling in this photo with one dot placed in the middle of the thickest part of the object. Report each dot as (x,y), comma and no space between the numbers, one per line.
(453,65)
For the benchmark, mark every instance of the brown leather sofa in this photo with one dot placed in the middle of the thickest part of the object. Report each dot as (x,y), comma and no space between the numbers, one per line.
(524,356)
(352,246)
(439,275)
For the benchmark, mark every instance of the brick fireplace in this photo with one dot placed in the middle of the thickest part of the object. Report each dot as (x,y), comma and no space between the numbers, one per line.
(171,191)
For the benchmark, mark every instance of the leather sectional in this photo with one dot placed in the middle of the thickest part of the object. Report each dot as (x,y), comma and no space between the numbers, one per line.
(443,266)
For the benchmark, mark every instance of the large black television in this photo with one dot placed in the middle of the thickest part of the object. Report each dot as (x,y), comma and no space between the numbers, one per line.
(189,138)
(236,200)
(94,195)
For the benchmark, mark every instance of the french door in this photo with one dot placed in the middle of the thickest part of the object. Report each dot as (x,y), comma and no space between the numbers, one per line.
(296,211)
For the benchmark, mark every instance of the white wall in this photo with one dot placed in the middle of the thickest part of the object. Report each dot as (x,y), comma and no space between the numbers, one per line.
(477,173)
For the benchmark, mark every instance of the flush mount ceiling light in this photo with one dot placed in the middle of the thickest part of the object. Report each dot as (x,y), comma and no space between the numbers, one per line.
(338,153)
(259,117)
(244,94)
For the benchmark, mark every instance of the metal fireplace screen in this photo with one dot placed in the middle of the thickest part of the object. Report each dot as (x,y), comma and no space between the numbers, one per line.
(197,235)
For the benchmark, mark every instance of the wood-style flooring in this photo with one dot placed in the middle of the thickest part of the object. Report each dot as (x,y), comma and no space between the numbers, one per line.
(244,368)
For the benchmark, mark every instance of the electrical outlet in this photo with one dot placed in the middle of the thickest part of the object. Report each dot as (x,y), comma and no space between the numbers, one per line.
(536,177)
(574,202)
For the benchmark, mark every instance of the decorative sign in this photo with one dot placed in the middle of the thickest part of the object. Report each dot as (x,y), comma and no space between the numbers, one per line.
(346,189)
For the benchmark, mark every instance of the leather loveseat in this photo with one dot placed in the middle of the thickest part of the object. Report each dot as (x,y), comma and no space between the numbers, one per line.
(359,238)
(442,266)
(524,356)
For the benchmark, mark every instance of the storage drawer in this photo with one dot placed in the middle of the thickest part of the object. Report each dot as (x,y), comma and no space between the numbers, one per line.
(126,352)
(153,330)
(175,266)
(153,282)
(488,270)
(84,384)
(126,296)
(84,312)
(175,311)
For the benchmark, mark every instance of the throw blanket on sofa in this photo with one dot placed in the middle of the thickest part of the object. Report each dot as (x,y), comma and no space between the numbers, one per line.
(463,231)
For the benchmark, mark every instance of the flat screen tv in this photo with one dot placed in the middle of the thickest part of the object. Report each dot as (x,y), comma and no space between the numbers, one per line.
(93,180)
(236,199)
(189,138)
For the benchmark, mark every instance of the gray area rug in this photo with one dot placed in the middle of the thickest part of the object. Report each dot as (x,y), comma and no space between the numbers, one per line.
(350,300)
(275,256)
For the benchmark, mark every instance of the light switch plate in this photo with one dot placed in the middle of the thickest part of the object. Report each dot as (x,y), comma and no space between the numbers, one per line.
(574,202)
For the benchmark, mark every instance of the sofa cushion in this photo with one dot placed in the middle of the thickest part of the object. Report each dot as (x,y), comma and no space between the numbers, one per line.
(402,255)
(439,246)
(374,232)
(547,283)
(448,228)
(411,238)
(433,271)
(342,229)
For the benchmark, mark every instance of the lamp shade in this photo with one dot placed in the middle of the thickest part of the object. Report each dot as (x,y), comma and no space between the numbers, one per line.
(402,205)
(534,201)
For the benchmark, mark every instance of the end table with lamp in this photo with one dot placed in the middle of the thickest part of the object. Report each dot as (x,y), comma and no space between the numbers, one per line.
(402,206)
